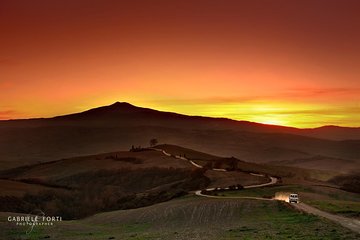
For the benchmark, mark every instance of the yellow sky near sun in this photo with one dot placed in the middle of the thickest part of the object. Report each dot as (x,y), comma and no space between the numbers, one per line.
(280,62)
(274,113)
(296,114)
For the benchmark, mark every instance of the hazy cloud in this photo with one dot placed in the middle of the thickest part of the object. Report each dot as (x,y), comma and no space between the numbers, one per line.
(211,100)
(284,96)
(7,114)
(316,92)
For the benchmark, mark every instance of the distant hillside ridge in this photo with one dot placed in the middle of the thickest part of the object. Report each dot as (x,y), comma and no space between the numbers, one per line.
(121,125)
(125,113)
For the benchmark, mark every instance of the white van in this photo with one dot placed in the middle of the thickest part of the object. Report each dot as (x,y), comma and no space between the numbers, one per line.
(293,198)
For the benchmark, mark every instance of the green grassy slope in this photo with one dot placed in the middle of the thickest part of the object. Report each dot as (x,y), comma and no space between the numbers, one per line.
(197,218)
(327,199)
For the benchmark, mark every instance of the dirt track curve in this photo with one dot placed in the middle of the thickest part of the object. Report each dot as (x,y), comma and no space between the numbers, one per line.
(350,223)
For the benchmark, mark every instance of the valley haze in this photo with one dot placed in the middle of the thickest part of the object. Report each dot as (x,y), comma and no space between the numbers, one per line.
(120,125)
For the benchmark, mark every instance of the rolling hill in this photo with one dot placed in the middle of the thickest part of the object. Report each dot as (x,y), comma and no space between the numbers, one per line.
(131,179)
(146,192)
(193,218)
(116,180)
(321,162)
(120,125)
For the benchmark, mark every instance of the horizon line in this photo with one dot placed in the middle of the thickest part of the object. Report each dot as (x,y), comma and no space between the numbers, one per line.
(214,117)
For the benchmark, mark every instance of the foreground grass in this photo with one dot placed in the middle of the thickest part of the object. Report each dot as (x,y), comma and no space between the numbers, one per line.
(329,200)
(284,223)
(346,208)
(197,218)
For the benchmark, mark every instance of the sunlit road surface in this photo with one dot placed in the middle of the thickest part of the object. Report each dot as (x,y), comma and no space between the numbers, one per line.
(350,223)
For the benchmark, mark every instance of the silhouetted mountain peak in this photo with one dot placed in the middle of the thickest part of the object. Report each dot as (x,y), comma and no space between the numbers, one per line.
(117,107)
(125,114)
(113,110)
(121,105)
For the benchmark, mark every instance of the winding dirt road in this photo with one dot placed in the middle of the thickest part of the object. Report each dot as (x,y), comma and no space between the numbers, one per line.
(272,181)
(350,223)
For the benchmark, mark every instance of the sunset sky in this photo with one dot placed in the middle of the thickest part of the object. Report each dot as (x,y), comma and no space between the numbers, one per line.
(285,62)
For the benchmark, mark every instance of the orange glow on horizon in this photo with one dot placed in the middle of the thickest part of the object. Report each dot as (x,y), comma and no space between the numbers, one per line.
(283,63)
